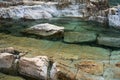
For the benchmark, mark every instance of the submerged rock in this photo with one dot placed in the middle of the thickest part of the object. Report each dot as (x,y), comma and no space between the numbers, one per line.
(78,37)
(112,40)
(46,30)
(115,55)
(34,67)
(9,77)
(77,70)
(84,76)
(62,72)
(91,67)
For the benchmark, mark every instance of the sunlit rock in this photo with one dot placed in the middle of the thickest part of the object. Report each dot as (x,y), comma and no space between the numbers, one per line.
(6,60)
(46,30)
(34,67)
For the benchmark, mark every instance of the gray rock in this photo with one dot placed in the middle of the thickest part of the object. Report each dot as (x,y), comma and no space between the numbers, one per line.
(77,37)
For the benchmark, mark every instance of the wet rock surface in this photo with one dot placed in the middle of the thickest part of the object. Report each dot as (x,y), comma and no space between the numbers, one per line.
(78,37)
(110,39)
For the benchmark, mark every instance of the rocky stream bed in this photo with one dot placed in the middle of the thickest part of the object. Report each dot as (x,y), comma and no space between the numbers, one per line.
(87,51)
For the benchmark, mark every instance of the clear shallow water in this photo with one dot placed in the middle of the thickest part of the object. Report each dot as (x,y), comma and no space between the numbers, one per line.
(114,2)
(10,36)
(14,27)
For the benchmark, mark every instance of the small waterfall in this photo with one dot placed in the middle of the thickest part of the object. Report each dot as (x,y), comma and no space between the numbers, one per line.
(29,12)
(45,10)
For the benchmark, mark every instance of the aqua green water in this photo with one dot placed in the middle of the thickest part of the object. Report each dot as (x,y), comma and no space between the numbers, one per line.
(114,2)
(11,36)
(14,27)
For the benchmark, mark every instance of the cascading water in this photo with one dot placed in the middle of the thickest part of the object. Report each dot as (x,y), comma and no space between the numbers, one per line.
(45,10)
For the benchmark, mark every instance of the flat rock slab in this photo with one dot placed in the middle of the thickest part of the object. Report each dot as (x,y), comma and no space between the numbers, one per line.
(113,72)
(112,40)
(78,37)
(84,52)
(46,30)
(115,55)
(90,67)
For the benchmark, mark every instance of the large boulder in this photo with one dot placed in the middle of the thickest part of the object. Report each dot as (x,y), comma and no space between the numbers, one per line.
(8,63)
(46,30)
(34,67)
(78,37)
(6,60)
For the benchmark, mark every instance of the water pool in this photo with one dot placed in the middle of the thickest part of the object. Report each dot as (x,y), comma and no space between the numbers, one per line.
(11,36)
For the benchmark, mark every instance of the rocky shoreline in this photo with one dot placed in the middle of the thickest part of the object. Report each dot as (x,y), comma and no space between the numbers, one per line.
(98,11)
(56,60)
(44,68)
